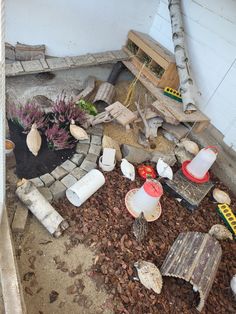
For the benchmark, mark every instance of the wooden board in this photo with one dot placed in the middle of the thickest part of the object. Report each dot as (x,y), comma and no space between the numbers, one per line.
(32,66)
(122,114)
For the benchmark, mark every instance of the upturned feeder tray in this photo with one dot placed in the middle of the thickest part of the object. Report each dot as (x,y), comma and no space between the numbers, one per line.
(194,257)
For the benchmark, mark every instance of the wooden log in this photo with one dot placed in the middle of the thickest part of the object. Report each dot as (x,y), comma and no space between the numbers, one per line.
(41,208)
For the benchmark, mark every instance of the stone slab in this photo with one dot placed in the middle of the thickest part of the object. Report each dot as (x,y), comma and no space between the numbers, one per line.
(82,148)
(92,157)
(46,193)
(44,63)
(84,60)
(86,141)
(20,218)
(57,63)
(58,173)
(37,182)
(88,165)
(58,190)
(95,149)
(179,131)
(69,180)
(13,68)
(47,179)
(104,57)
(78,173)
(95,131)
(96,139)
(77,159)
(68,165)
(32,66)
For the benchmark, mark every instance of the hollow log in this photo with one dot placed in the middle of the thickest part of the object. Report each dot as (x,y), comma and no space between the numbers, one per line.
(186,81)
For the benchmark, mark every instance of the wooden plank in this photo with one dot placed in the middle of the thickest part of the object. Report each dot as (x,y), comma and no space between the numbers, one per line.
(179,131)
(149,115)
(32,66)
(57,63)
(122,114)
(104,57)
(84,60)
(44,63)
(14,68)
(120,55)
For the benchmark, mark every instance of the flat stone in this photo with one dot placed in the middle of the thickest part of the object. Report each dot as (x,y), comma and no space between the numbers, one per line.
(88,165)
(96,139)
(84,60)
(68,165)
(69,180)
(58,190)
(96,130)
(179,131)
(32,66)
(78,173)
(182,155)
(37,182)
(20,218)
(46,193)
(58,173)
(47,179)
(82,148)
(95,149)
(86,141)
(77,159)
(92,157)
(169,158)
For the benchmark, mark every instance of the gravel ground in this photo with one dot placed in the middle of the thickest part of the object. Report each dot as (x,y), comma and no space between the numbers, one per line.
(104,224)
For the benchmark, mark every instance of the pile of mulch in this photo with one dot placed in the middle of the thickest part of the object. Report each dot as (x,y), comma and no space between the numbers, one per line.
(29,166)
(104,224)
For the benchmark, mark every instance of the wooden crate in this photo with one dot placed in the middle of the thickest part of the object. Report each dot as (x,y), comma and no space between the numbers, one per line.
(160,67)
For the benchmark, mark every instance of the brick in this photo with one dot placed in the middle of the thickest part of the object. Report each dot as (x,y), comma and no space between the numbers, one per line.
(78,173)
(96,139)
(68,165)
(77,159)
(20,218)
(95,149)
(86,141)
(46,193)
(69,180)
(47,179)
(82,148)
(88,165)
(92,157)
(37,182)
(58,173)
(58,190)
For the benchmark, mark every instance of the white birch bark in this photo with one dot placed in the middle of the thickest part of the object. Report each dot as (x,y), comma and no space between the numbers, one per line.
(186,81)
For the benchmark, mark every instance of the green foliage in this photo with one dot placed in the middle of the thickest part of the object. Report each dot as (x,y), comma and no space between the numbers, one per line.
(87,106)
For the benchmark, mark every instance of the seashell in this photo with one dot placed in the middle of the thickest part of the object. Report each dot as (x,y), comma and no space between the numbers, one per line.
(34,140)
(149,275)
(220,232)
(77,132)
(164,170)
(221,196)
(190,146)
(127,169)
(233,285)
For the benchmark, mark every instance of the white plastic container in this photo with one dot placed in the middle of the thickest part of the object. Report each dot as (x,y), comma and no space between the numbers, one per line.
(79,192)
(147,198)
(202,162)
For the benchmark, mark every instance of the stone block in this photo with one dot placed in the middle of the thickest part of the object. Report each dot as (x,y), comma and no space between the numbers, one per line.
(86,141)
(20,218)
(68,165)
(82,148)
(46,193)
(88,165)
(77,159)
(96,130)
(78,173)
(47,179)
(58,190)
(92,157)
(69,180)
(37,182)
(58,173)
(95,149)
(96,139)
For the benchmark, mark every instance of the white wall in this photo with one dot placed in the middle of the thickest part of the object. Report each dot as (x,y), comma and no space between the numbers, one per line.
(75,27)
(210,27)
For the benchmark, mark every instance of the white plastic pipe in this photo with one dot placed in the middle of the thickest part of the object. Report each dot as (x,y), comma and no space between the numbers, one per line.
(79,192)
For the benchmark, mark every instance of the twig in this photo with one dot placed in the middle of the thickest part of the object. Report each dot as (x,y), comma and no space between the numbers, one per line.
(147,129)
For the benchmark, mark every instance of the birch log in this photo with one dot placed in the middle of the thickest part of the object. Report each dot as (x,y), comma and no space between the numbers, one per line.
(41,208)
(186,82)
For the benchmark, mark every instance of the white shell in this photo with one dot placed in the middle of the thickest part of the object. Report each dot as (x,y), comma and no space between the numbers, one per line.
(233,285)
(149,275)
(34,140)
(127,169)
(77,132)
(221,196)
(164,170)
(190,146)
(220,232)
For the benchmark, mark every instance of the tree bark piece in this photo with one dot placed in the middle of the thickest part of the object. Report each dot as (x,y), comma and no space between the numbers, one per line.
(186,81)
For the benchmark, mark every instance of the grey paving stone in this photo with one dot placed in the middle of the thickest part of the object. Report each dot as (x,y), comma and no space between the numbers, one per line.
(95,149)
(77,159)
(82,148)
(20,218)
(46,193)
(96,130)
(37,182)
(96,139)
(69,180)
(88,165)
(47,179)
(68,165)
(58,173)
(92,157)
(58,190)
(86,141)
(78,173)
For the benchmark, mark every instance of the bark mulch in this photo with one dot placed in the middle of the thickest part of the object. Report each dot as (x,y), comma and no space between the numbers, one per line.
(104,224)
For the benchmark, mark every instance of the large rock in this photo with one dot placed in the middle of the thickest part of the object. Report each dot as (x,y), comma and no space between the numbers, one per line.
(139,155)
(182,155)
(108,142)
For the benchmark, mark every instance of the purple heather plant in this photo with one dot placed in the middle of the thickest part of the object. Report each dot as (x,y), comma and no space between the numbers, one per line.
(26,115)
(58,138)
